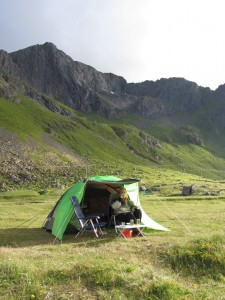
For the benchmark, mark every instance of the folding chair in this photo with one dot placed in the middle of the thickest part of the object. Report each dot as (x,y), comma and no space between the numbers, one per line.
(112,217)
(112,221)
(86,222)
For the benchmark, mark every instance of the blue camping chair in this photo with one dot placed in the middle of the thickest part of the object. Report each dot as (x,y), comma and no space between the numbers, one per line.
(86,222)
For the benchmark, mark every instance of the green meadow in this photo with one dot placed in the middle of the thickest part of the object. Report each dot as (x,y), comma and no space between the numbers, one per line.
(43,149)
(186,263)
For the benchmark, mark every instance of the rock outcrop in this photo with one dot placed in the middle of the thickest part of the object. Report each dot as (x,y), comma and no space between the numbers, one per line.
(19,168)
(77,85)
(9,87)
(178,93)
(50,71)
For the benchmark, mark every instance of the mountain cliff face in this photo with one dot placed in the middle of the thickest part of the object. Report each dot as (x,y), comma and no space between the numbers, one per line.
(170,111)
(185,94)
(54,73)
(81,87)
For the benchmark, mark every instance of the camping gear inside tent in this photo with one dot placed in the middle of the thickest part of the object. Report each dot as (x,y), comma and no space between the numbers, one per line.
(93,194)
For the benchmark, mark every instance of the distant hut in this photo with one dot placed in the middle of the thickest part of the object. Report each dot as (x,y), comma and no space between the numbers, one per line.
(188,190)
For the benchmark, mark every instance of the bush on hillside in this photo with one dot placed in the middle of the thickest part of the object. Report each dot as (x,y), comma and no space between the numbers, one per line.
(205,257)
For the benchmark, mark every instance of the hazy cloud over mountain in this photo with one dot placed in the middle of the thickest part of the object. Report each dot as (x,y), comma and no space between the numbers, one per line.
(138,40)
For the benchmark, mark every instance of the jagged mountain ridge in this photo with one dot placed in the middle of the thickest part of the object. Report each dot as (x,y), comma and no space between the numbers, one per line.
(182,111)
(54,73)
(81,87)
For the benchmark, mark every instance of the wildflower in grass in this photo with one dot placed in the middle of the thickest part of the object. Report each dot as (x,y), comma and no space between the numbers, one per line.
(32,296)
(198,257)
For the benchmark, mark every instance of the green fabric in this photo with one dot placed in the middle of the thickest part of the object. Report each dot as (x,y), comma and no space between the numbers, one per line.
(103,178)
(64,210)
(132,191)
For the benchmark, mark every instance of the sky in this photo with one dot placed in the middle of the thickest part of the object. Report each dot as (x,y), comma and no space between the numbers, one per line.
(137,39)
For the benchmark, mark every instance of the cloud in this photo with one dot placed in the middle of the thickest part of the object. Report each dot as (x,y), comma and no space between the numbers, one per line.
(139,40)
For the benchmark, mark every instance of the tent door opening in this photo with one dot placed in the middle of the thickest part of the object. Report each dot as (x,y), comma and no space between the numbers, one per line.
(96,200)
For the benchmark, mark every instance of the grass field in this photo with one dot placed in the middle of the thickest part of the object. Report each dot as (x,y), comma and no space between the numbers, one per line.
(186,263)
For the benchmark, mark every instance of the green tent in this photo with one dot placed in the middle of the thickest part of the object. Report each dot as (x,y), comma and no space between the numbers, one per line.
(93,195)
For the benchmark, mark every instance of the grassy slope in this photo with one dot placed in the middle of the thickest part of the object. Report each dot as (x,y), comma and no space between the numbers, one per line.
(177,152)
(108,147)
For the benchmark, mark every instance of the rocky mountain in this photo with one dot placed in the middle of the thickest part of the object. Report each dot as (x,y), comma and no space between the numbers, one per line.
(186,95)
(182,96)
(77,85)
(176,122)
(81,87)
(45,69)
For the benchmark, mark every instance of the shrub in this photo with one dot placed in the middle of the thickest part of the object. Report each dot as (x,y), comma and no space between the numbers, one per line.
(203,257)
(166,291)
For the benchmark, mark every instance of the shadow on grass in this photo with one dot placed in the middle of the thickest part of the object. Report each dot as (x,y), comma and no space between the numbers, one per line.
(28,237)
